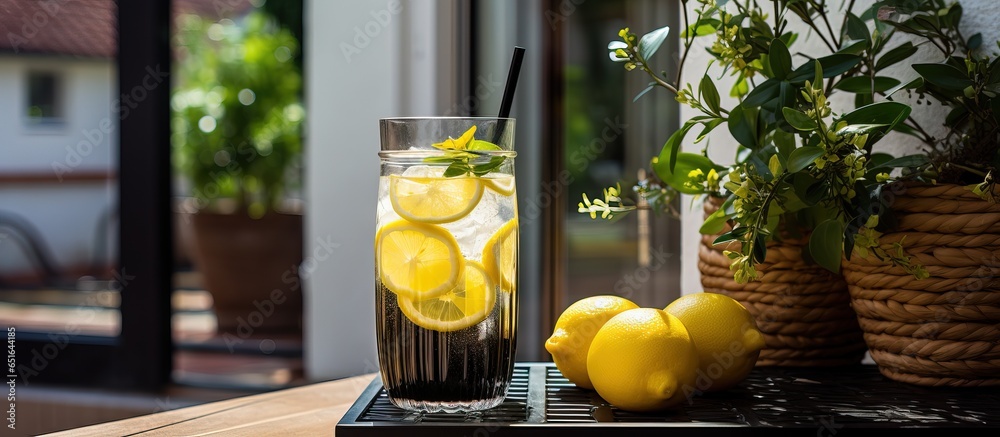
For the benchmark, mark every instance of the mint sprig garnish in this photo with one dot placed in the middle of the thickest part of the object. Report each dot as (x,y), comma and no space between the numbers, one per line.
(462,153)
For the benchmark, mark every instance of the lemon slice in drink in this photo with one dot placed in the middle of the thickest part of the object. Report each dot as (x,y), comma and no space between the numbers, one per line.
(500,255)
(502,184)
(416,260)
(457,309)
(434,199)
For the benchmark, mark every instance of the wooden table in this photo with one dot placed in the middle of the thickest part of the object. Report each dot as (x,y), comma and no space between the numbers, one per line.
(542,402)
(310,410)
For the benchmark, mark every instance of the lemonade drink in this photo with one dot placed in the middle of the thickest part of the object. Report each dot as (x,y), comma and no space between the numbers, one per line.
(446,263)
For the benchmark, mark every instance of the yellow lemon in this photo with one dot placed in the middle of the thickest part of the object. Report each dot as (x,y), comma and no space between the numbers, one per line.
(501,183)
(575,330)
(434,199)
(500,256)
(725,335)
(416,260)
(643,360)
(457,309)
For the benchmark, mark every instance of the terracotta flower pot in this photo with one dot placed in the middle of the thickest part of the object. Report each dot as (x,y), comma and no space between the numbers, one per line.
(250,267)
(802,309)
(943,330)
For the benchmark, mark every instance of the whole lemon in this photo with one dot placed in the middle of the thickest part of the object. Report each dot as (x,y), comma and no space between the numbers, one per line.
(725,335)
(574,331)
(643,360)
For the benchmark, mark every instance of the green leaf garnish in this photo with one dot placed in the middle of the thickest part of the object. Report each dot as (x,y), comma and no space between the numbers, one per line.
(483,169)
(460,155)
(456,169)
(483,145)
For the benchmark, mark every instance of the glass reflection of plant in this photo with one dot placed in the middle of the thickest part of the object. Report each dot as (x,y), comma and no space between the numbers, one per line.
(237,111)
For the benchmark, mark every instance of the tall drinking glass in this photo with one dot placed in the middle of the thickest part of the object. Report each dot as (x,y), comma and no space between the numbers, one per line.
(446,262)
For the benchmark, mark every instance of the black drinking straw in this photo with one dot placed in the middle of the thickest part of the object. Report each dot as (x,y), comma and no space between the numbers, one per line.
(508,91)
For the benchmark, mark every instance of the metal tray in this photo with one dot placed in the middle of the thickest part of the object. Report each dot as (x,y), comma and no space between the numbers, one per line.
(803,401)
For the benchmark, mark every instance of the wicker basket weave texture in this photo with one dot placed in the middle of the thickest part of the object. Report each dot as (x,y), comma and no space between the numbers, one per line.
(944,330)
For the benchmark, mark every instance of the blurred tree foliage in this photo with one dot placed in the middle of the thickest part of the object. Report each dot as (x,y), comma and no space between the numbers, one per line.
(289,14)
(237,110)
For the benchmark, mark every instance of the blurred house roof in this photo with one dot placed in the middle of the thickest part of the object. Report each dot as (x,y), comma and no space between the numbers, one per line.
(215,9)
(85,28)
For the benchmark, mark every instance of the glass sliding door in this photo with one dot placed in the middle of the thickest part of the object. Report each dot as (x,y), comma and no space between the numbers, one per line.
(608,139)
(79,285)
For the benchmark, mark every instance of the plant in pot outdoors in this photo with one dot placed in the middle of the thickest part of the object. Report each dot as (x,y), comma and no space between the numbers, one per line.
(780,218)
(941,330)
(236,140)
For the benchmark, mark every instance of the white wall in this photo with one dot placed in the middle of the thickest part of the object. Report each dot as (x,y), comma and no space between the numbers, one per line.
(66,214)
(87,86)
(346,95)
(980,16)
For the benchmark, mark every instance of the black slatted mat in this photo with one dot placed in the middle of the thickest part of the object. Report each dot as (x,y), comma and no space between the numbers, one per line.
(808,401)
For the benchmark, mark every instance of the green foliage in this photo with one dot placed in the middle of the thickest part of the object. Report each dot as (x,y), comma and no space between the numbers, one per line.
(943,76)
(651,42)
(803,168)
(966,80)
(779,60)
(798,119)
(237,110)
(803,157)
(716,221)
(687,171)
(825,244)
(867,85)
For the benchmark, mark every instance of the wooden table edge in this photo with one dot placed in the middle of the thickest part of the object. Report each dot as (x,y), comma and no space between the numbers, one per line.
(231,415)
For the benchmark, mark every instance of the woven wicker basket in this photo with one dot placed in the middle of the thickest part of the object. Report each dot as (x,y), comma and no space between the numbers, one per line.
(944,330)
(803,310)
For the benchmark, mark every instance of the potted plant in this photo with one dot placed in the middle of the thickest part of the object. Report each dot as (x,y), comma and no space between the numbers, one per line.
(236,123)
(941,330)
(780,218)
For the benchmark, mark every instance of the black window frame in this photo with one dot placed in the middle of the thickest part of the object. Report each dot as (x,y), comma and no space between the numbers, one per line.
(140,357)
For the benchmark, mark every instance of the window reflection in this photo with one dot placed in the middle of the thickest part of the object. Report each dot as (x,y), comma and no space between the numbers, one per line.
(236,117)
(58,186)
(608,141)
